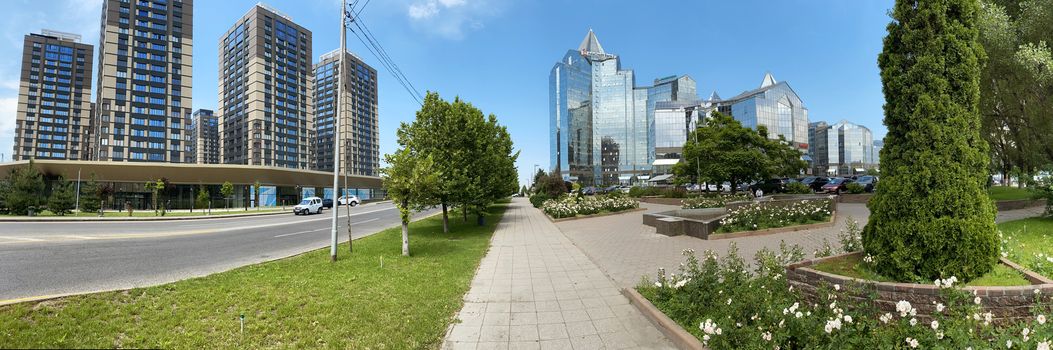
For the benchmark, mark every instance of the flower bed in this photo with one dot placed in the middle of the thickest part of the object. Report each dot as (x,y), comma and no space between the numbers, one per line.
(759,216)
(571,206)
(727,306)
(704,202)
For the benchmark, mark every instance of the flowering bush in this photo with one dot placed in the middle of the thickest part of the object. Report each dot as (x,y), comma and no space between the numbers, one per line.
(712,201)
(759,216)
(726,306)
(571,206)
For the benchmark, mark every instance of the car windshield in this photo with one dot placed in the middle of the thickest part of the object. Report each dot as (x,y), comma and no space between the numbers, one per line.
(305,202)
(836,181)
(866,179)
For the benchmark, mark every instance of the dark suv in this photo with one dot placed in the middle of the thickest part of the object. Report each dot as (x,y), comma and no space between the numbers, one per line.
(770,186)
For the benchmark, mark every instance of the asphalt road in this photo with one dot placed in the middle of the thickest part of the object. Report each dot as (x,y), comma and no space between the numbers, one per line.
(44,259)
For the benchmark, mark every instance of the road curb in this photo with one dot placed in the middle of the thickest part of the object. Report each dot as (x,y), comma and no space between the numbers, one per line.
(154,218)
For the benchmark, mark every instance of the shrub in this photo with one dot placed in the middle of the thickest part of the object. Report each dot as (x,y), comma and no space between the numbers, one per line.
(538,199)
(552,185)
(639,191)
(727,306)
(571,206)
(855,188)
(944,227)
(1043,189)
(89,196)
(798,188)
(759,216)
(674,192)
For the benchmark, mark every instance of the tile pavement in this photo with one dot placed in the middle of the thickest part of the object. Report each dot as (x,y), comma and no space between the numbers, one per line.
(536,290)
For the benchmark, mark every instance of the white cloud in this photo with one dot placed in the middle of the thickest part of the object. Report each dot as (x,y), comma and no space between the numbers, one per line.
(452,18)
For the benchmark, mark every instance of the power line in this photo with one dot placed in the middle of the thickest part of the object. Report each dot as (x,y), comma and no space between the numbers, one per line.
(373,45)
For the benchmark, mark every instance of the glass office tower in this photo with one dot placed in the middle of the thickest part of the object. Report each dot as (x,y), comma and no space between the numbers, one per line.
(599,130)
(842,149)
(361,151)
(144,88)
(54,100)
(774,105)
(672,88)
(266,101)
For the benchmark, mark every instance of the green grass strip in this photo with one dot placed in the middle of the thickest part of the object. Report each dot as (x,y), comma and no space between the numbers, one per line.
(299,302)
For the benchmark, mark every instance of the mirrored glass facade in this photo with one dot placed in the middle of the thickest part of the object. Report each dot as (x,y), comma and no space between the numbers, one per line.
(774,105)
(840,149)
(599,130)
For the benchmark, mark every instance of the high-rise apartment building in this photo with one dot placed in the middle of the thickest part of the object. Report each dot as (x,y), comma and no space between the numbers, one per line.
(359,129)
(204,137)
(599,130)
(54,98)
(266,101)
(144,88)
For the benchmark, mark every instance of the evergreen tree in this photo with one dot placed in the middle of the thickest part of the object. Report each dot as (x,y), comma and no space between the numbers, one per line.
(26,189)
(931,217)
(89,196)
(62,199)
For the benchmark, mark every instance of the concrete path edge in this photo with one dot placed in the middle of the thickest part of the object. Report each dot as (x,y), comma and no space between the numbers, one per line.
(680,337)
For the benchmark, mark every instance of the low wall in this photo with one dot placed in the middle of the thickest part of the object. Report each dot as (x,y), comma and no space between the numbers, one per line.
(1007,304)
(685,222)
(662,200)
(1019,204)
(854,198)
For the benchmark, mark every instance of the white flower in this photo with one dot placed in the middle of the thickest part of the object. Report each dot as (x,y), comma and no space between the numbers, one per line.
(848,318)
(837,287)
(935,325)
(1043,345)
(976,300)
(913,343)
(728,302)
(886,317)
(658,284)
(904,308)
(766,336)
(1025,332)
(1041,319)
(1008,344)
(940,307)
(1038,291)
(798,314)
(939,335)
(913,322)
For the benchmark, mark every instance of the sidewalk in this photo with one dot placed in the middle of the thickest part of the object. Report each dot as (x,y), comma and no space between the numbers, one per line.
(536,290)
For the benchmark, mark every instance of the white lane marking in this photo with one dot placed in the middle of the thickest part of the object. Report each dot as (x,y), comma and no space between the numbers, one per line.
(298,233)
(79,237)
(22,239)
(362,222)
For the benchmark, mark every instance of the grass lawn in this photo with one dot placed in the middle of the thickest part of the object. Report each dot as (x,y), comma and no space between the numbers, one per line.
(150,213)
(1029,242)
(1005,193)
(374,299)
(852,266)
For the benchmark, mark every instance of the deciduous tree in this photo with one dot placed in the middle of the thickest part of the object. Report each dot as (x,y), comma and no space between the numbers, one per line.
(411,181)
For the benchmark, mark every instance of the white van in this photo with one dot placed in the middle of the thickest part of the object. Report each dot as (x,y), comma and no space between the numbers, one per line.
(308,205)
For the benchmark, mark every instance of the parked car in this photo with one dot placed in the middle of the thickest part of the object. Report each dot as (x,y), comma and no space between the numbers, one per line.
(816,182)
(327,203)
(625,189)
(770,186)
(588,191)
(868,182)
(308,205)
(836,185)
(353,200)
(610,189)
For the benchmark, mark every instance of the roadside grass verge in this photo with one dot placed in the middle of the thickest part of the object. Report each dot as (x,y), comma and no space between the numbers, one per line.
(1005,193)
(374,299)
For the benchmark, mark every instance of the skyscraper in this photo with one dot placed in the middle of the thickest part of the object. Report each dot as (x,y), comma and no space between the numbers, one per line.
(204,137)
(680,89)
(599,130)
(266,101)
(54,99)
(843,148)
(361,150)
(144,88)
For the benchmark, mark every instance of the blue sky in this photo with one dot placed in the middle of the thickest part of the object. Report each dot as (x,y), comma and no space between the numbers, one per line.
(497,53)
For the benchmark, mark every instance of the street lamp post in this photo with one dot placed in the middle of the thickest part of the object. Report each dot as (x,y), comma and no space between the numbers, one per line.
(338,117)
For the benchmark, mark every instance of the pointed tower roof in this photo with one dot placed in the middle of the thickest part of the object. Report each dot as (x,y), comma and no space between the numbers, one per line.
(768,80)
(590,44)
(714,96)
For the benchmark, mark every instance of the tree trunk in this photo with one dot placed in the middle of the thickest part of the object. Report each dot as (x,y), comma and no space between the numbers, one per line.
(405,228)
(445,219)
(464,212)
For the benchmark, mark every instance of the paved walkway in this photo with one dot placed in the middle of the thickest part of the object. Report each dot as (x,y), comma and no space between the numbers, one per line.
(627,250)
(536,290)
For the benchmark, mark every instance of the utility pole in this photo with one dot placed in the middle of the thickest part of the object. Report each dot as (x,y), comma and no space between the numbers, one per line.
(336,133)
(77,204)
